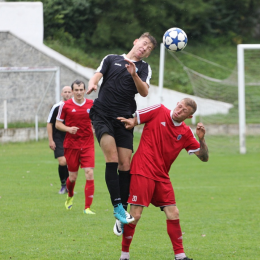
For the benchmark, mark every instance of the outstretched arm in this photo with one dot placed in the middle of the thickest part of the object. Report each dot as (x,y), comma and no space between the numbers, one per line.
(93,82)
(203,153)
(129,123)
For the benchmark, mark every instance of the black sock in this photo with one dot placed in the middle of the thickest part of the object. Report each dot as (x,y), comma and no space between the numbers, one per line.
(64,174)
(112,181)
(124,183)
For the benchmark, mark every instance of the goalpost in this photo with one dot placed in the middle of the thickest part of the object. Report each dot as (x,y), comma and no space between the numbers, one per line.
(13,88)
(241,92)
(236,91)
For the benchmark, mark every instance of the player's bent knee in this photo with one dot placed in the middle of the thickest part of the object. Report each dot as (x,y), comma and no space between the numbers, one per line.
(62,161)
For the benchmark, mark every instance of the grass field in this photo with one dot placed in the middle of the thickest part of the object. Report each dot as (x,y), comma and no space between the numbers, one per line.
(218,203)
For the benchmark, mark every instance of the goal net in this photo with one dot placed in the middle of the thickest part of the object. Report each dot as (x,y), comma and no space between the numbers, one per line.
(27,95)
(223,129)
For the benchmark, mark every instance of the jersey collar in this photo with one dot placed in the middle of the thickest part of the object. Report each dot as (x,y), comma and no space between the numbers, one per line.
(124,56)
(174,122)
(78,103)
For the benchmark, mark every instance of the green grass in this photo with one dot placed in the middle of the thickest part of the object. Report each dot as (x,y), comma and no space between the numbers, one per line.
(218,203)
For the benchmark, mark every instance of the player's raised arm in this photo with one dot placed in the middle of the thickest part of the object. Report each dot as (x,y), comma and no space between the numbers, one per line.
(93,82)
(203,153)
(129,122)
(141,86)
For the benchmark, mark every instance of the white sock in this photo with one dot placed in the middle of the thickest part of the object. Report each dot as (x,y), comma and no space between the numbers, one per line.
(180,256)
(125,255)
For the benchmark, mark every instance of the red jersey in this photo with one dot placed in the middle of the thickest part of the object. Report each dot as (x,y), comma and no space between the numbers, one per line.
(161,142)
(77,115)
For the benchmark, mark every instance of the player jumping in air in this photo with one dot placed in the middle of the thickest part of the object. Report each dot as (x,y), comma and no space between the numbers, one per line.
(123,77)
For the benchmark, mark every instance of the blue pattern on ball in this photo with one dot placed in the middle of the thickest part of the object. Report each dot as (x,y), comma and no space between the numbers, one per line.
(175,39)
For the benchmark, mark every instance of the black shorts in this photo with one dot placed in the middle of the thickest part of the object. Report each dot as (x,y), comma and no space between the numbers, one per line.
(110,125)
(59,150)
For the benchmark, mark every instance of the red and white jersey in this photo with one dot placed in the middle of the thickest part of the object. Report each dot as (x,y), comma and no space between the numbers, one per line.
(161,142)
(77,115)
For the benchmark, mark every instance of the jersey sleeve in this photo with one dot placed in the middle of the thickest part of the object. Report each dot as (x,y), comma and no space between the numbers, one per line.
(54,115)
(145,74)
(146,114)
(50,116)
(104,64)
(61,113)
(192,145)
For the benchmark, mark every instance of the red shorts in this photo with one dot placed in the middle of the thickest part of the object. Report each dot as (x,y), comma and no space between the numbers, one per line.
(144,191)
(85,158)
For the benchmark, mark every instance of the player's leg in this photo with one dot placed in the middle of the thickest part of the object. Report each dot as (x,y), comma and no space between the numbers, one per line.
(129,230)
(124,157)
(108,146)
(89,190)
(104,131)
(62,169)
(87,161)
(72,158)
(174,232)
(164,193)
(63,173)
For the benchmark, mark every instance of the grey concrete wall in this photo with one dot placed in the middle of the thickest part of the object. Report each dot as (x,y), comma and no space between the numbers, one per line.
(24,91)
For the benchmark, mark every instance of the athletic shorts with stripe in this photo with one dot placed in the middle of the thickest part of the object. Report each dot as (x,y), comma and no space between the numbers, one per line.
(144,191)
(85,158)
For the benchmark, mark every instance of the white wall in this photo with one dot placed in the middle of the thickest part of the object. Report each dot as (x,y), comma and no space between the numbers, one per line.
(25,19)
(171,97)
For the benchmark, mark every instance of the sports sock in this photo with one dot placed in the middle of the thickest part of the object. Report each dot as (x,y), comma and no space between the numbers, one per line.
(70,187)
(125,255)
(63,173)
(180,256)
(89,193)
(175,234)
(128,234)
(112,181)
(124,183)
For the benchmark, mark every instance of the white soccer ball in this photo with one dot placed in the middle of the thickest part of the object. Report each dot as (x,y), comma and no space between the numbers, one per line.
(175,39)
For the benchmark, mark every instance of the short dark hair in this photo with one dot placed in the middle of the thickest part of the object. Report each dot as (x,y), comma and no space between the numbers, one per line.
(78,82)
(150,37)
(191,103)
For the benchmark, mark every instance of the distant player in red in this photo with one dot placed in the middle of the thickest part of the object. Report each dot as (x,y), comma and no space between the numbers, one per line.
(78,143)
(164,136)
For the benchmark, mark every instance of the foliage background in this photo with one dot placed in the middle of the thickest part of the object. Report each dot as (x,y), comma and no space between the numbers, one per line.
(111,23)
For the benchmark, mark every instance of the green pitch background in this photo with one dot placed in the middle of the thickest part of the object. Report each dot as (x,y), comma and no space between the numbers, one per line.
(218,202)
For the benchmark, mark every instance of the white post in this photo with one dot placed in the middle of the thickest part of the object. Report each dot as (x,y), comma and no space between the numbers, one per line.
(161,71)
(36,128)
(241,98)
(5,115)
(57,83)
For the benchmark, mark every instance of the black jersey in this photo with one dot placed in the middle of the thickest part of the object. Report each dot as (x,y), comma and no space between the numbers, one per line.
(117,91)
(56,134)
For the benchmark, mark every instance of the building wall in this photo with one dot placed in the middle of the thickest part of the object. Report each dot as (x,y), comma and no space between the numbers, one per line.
(24,91)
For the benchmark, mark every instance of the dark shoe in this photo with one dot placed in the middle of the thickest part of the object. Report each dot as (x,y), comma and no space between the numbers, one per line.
(185,258)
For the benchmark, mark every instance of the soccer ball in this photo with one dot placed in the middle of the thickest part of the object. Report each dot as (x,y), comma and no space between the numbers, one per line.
(175,39)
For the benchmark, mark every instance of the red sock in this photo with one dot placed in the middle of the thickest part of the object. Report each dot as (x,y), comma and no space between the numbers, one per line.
(128,234)
(175,234)
(89,193)
(70,187)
